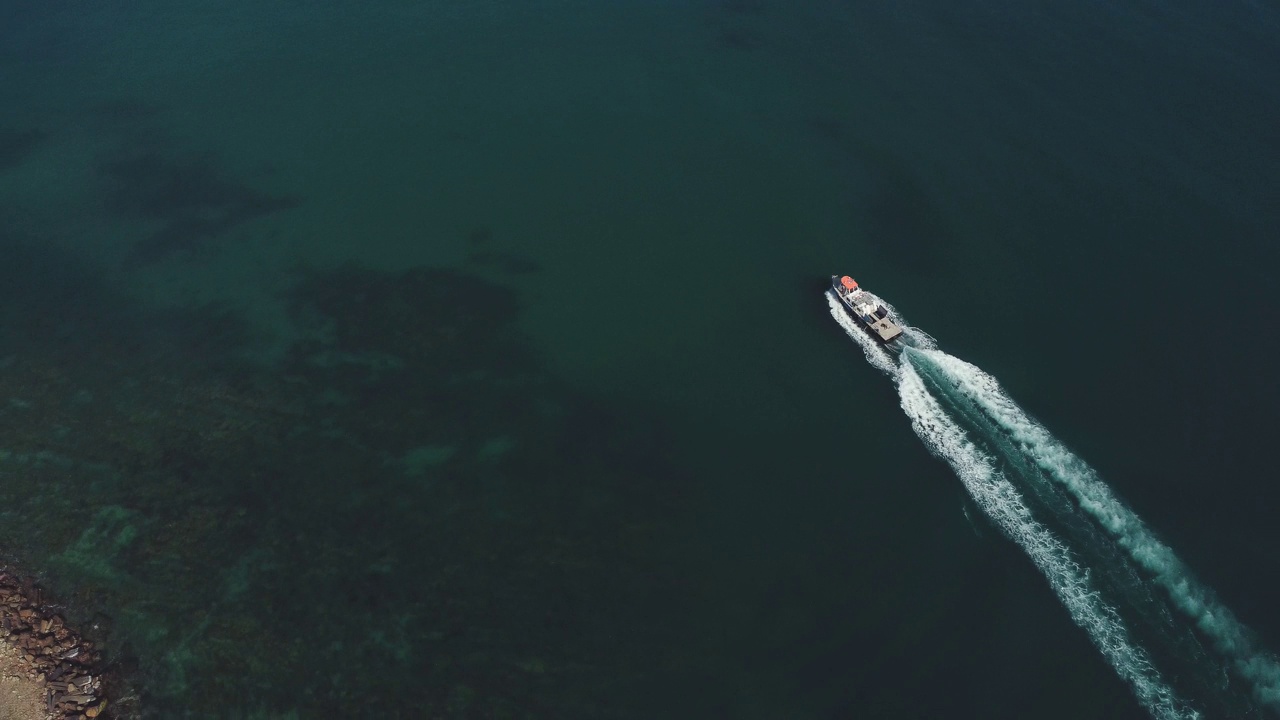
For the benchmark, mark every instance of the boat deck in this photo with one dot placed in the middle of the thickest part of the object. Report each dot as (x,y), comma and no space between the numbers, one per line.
(885,329)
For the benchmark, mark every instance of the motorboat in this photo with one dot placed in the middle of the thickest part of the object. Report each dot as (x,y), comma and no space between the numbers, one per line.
(866,308)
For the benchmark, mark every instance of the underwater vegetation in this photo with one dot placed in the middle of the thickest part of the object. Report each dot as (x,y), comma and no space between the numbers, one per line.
(189,201)
(408,499)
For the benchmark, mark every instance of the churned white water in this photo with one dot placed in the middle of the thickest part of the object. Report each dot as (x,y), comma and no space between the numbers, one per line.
(1000,499)
(1198,602)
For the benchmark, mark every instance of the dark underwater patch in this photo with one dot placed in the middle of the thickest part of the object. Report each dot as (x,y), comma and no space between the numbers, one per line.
(51,301)
(190,199)
(410,485)
(16,145)
(49,297)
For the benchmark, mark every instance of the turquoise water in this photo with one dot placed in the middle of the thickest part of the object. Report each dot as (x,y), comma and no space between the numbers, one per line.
(472,359)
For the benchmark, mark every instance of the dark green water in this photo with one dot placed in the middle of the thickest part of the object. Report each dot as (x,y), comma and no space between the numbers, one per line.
(443,359)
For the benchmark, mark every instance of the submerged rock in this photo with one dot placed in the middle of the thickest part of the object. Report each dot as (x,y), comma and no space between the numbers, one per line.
(261,547)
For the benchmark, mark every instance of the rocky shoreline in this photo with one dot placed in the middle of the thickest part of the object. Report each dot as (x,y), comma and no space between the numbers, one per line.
(48,659)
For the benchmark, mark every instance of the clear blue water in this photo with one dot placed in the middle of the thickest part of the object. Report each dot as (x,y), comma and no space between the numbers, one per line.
(472,359)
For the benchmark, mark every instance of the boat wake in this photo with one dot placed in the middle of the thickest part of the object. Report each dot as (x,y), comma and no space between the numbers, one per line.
(1119,582)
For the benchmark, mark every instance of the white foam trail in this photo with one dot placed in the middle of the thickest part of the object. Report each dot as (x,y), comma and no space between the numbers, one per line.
(880,358)
(1198,602)
(1001,501)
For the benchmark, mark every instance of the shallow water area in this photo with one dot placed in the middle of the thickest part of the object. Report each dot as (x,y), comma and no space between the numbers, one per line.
(439,359)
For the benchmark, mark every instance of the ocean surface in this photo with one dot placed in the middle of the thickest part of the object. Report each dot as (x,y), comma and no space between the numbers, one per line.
(446,359)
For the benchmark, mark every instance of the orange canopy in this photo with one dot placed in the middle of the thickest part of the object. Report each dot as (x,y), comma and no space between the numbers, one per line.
(848,283)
